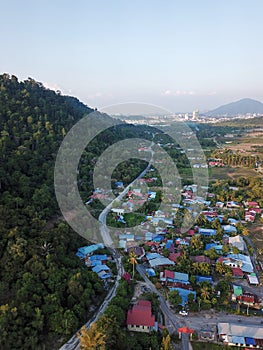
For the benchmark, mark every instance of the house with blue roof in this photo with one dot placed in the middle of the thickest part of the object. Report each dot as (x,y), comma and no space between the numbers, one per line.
(200,279)
(161,261)
(184,293)
(99,268)
(96,260)
(229,228)
(174,277)
(104,275)
(102,257)
(151,256)
(246,264)
(207,231)
(218,247)
(148,236)
(84,251)
(157,238)
(232,221)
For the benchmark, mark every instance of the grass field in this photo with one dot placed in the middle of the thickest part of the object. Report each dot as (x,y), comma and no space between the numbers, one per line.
(233,173)
(248,144)
(220,173)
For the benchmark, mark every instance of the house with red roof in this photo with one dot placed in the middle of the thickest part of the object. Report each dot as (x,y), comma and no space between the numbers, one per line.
(201,259)
(237,272)
(190,232)
(248,299)
(252,204)
(255,210)
(173,256)
(250,217)
(216,163)
(140,318)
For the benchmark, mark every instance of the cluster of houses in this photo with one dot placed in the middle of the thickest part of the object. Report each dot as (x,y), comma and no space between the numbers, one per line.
(252,209)
(215,162)
(97,262)
(153,237)
(240,335)
(245,298)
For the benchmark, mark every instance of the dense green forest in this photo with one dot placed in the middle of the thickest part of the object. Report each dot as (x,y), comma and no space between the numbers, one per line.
(46,294)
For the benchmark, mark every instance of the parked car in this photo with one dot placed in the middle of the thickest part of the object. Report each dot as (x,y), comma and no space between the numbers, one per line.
(183,313)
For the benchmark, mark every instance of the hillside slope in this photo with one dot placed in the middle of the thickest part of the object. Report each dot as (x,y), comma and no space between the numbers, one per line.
(244,106)
(45,294)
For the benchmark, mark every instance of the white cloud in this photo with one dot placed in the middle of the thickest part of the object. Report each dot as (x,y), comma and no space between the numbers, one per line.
(98,95)
(178,93)
(52,86)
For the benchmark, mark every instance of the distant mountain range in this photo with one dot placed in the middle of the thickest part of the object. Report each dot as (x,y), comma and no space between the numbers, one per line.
(244,106)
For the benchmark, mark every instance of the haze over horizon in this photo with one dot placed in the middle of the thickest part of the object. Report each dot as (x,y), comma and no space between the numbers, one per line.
(179,55)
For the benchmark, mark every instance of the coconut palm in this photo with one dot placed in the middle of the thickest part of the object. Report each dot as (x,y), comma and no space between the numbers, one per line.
(46,248)
(132,260)
(205,293)
(220,268)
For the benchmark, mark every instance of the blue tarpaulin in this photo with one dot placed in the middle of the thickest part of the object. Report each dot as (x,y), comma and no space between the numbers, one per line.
(250,341)
(151,272)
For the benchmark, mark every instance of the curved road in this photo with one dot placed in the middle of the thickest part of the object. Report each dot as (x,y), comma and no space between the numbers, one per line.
(73,343)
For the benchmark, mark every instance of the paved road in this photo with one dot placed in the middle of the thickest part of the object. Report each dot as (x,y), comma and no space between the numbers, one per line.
(197,321)
(102,218)
(73,343)
(185,342)
(172,321)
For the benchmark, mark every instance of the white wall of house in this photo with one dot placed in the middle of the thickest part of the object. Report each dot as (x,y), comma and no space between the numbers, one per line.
(138,328)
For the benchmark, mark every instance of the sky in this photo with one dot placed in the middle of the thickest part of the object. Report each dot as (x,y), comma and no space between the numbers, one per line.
(181,55)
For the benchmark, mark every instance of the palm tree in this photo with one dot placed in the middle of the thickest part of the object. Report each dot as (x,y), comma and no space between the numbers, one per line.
(204,269)
(220,268)
(133,261)
(91,338)
(46,248)
(205,293)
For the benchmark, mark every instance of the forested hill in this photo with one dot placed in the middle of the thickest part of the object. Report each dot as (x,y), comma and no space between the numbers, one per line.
(46,294)
(33,122)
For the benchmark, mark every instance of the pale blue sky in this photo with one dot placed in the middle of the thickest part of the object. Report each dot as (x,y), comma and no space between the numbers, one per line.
(178,54)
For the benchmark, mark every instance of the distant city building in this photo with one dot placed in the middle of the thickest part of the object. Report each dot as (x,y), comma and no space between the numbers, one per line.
(195,114)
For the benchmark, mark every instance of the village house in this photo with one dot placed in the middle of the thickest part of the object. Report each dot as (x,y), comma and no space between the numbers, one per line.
(138,251)
(240,335)
(237,272)
(247,299)
(237,241)
(201,259)
(140,318)
(250,217)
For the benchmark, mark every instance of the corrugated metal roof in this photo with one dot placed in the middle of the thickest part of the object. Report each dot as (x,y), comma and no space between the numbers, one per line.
(237,340)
